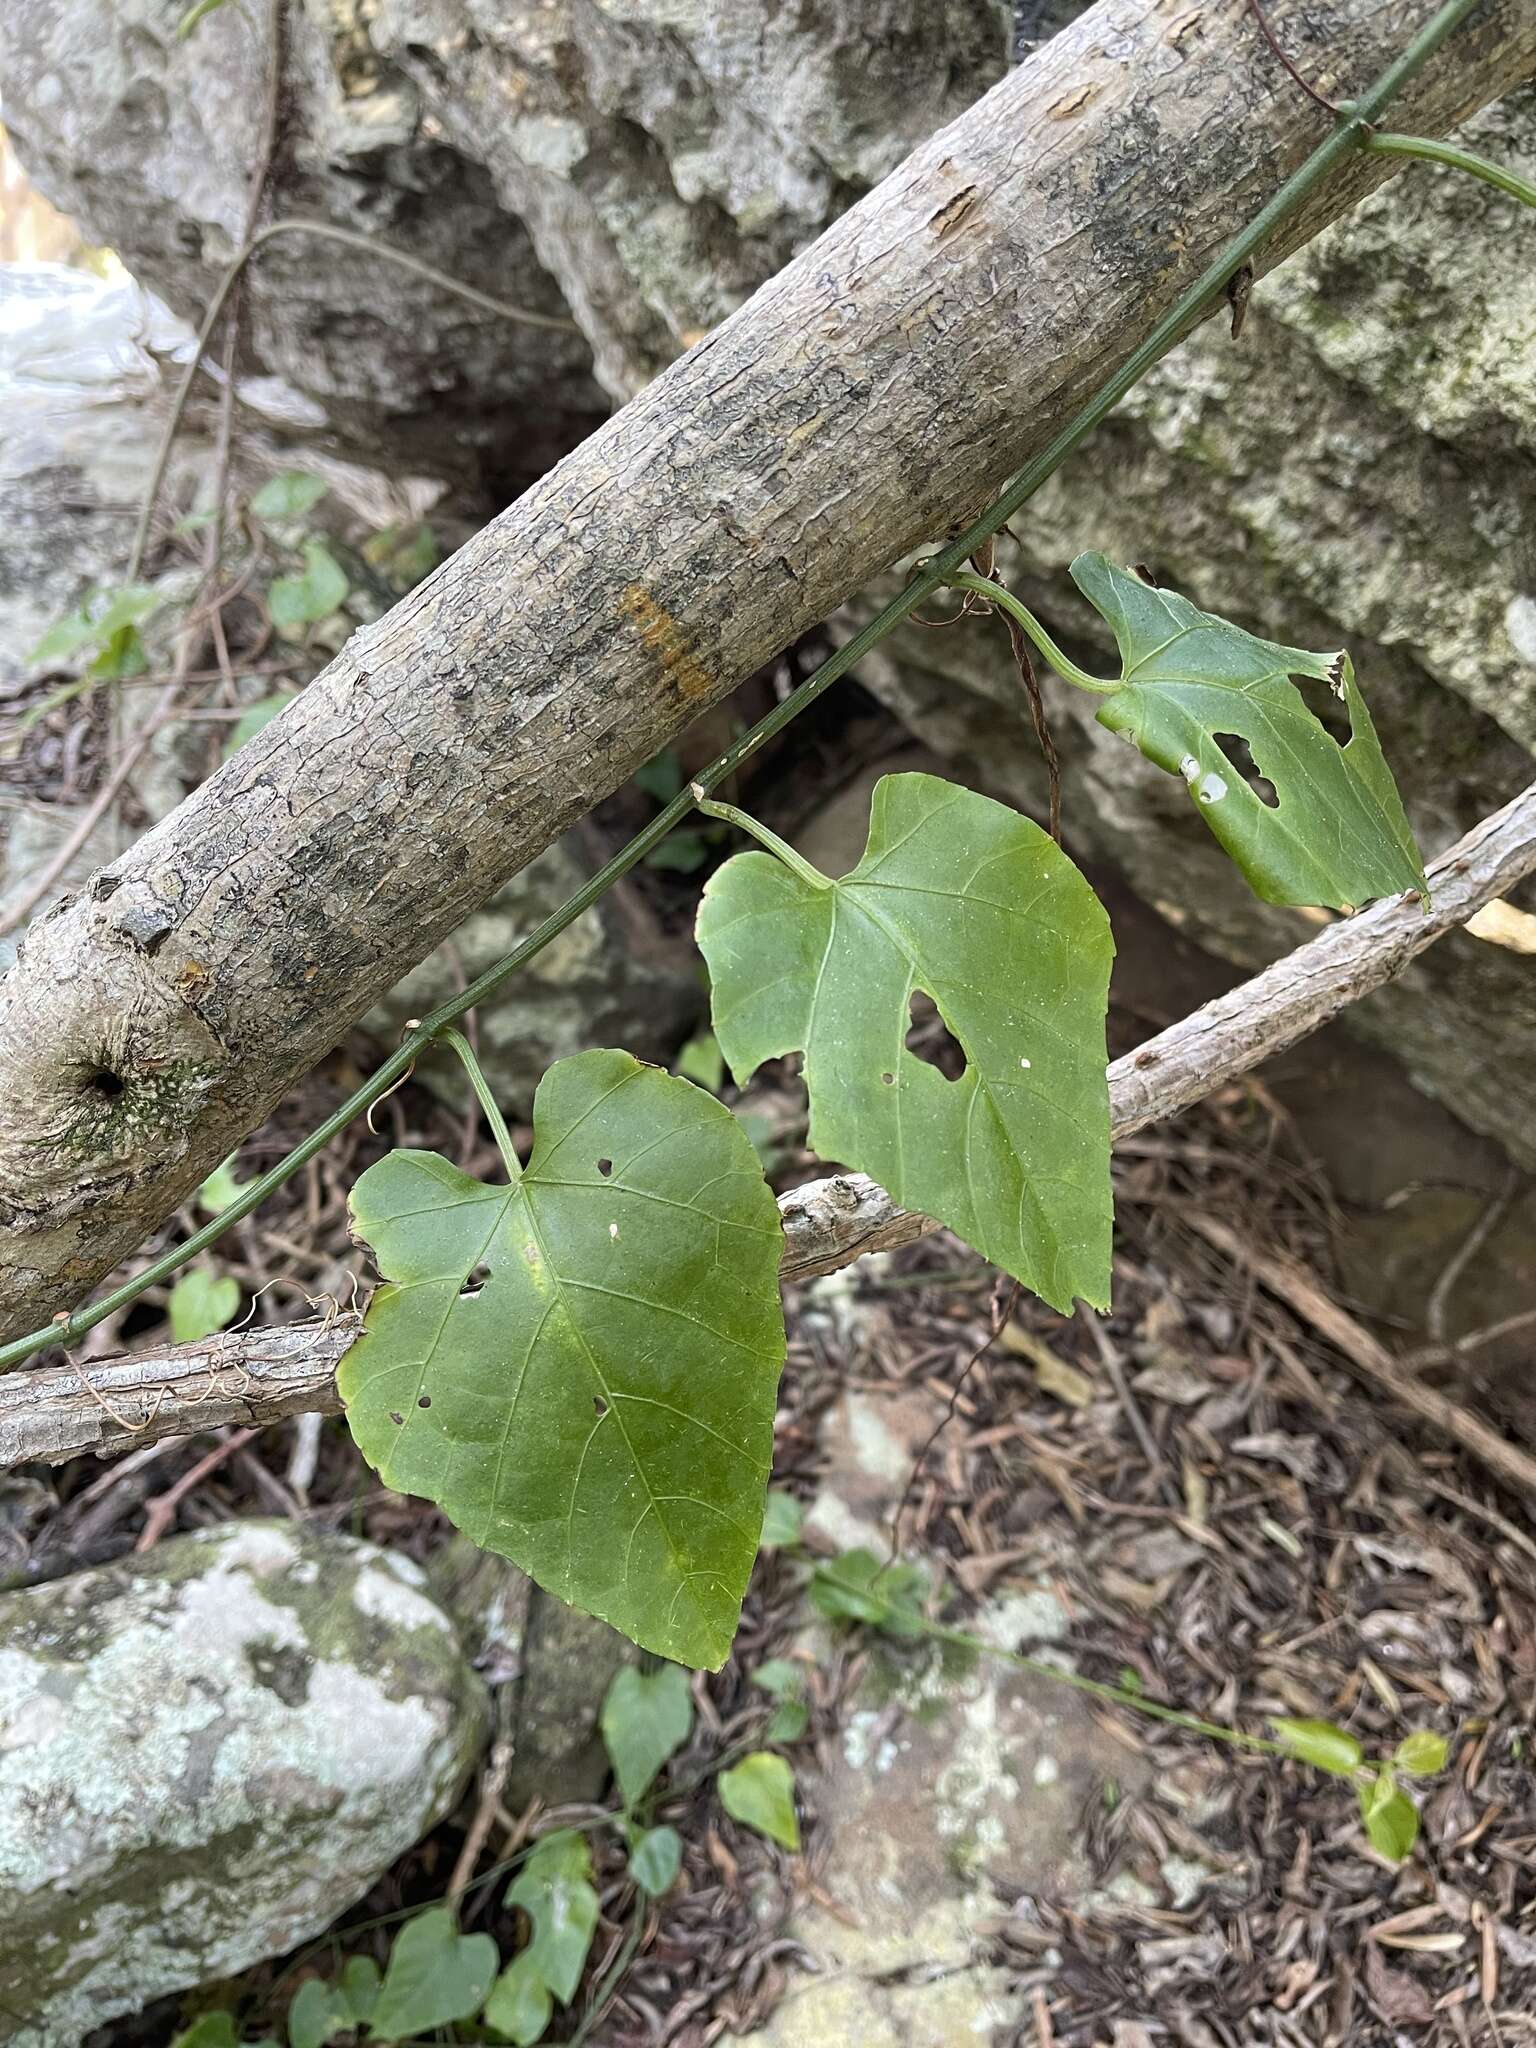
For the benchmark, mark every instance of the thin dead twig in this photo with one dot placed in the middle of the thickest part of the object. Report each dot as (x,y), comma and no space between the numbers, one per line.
(1300,1291)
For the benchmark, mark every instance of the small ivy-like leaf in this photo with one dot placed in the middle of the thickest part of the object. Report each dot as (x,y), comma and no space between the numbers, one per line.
(963,899)
(435,1976)
(784,1681)
(519,2006)
(680,853)
(1337,833)
(788,1722)
(319,2013)
(121,656)
(701,1060)
(782,1520)
(253,721)
(600,1410)
(1320,1744)
(200,1303)
(298,601)
(1422,1753)
(220,1188)
(97,622)
(1390,1816)
(780,1677)
(555,1890)
(760,1793)
(858,1586)
(655,1859)
(361,1981)
(290,494)
(647,1716)
(662,778)
(209,2030)
(403,555)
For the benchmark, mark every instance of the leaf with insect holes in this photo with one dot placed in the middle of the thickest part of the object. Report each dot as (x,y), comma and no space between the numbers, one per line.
(600,1409)
(963,899)
(646,1718)
(1336,833)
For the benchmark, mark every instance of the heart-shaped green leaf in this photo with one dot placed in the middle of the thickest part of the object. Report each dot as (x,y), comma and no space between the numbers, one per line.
(1422,1753)
(555,1891)
(200,1303)
(654,1860)
(1336,833)
(436,1976)
(297,601)
(288,495)
(760,1793)
(600,1409)
(1390,1816)
(646,1717)
(962,898)
(318,2013)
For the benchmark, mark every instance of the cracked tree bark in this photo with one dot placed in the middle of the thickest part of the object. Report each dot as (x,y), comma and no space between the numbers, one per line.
(261,1376)
(863,401)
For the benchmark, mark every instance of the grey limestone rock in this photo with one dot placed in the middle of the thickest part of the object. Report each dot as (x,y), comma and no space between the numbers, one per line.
(205,1754)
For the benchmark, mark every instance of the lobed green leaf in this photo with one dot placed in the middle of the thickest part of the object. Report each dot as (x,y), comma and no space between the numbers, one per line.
(967,901)
(1336,833)
(555,1890)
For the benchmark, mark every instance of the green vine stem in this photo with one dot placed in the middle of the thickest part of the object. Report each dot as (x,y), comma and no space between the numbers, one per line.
(1063,664)
(1458,159)
(729,814)
(932,575)
(487,1100)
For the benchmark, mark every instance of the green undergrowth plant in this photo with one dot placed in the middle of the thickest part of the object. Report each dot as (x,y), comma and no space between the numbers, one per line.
(439,1978)
(579,1362)
(890,1597)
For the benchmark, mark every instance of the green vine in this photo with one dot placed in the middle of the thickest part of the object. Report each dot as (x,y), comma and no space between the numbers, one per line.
(1355,130)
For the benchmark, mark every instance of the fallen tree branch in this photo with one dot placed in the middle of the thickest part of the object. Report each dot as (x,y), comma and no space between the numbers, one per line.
(261,1376)
(935,337)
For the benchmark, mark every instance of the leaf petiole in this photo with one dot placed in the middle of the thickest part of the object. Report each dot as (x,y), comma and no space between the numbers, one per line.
(728,814)
(493,1116)
(1457,159)
(1064,666)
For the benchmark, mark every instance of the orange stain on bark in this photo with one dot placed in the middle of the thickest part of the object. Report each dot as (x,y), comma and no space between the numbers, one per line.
(664,638)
